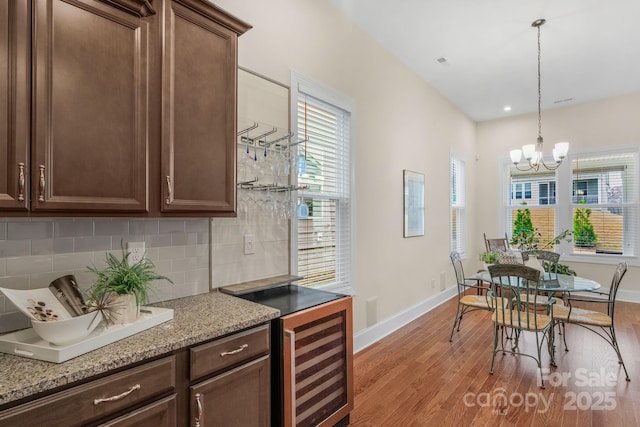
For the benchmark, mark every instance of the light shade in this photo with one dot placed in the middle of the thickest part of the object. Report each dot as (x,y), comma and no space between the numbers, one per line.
(529,151)
(562,148)
(516,155)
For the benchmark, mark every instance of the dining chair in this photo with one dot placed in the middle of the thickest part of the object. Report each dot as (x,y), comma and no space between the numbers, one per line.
(496,244)
(522,314)
(466,303)
(598,322)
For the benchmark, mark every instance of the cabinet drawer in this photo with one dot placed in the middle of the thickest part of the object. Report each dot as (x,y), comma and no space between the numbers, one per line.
(229,351)
(157,414)
(80,405)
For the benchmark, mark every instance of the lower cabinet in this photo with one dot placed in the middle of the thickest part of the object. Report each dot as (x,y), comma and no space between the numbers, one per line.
(222,382)
(97,400)
(239,397)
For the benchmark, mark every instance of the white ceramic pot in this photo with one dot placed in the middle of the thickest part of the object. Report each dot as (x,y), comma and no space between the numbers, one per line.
(125,309)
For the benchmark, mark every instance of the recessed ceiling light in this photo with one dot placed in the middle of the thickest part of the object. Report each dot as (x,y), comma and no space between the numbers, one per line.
(507,108)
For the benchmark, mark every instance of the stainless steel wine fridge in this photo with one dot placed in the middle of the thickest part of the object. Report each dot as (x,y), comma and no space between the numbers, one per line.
(312,356)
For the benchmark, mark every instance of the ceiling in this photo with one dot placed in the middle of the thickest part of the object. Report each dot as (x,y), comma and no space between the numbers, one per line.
(590,49)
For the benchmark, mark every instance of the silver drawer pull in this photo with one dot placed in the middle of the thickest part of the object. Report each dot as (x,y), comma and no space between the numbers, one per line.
(117,397)
(236,351)
(199,410)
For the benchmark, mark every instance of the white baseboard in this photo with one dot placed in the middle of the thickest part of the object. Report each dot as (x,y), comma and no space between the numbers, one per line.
(364,338)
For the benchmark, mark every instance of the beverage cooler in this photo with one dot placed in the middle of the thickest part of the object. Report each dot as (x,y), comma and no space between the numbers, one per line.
(311,355)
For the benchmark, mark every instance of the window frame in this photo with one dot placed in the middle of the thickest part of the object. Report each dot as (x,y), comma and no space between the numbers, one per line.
(303,84)
(460,205)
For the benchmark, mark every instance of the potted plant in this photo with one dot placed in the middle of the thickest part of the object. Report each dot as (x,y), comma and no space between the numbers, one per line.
(122,287)
(490,257)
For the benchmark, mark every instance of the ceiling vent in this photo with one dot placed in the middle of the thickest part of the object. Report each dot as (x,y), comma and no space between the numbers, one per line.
(442,61)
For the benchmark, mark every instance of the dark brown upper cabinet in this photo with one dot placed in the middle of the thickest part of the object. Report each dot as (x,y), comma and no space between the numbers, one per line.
(90,108)
(117,107)
(15,66)
(198,156)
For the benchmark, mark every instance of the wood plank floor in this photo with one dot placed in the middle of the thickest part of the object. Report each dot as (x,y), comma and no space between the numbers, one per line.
(416,377)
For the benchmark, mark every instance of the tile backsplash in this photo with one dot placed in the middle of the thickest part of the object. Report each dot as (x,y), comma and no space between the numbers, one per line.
(35,251)
(197,254)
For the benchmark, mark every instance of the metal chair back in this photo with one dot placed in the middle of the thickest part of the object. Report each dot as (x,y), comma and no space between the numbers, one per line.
(496,244)
(549,257)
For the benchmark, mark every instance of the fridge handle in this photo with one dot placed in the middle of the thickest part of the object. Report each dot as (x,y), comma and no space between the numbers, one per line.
(289,377)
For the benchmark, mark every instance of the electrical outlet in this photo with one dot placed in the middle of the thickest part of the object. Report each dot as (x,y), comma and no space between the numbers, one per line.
(249,244)
(136,252)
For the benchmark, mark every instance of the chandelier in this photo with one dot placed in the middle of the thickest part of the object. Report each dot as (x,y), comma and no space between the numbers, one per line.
(533,152)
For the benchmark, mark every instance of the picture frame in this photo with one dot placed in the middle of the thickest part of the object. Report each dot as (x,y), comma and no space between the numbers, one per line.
(414,208)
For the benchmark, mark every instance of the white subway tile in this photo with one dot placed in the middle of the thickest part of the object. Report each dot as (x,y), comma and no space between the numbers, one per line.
(27,265)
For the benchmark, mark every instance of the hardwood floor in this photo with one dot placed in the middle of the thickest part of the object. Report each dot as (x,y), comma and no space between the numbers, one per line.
(416,377)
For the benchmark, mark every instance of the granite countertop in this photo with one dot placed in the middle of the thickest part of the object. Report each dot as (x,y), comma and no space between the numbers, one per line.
(196,319)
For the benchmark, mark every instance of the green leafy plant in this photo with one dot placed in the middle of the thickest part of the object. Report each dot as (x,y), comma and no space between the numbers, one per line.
(531,240)
(560,269)
(121,278)
(490,257)
(583,231)
(523,223)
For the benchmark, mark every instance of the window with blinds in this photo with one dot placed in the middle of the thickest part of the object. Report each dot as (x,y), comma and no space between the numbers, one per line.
(532,195)
(604,203)
(597,201)
(324,212)
(458,207)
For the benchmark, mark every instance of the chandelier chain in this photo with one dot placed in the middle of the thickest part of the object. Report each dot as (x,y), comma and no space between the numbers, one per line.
(539,90)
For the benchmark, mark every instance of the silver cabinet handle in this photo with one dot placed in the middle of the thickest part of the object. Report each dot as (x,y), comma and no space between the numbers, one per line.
(169,195)
(198,410)
(236,351)
(21,182)
(42,184)
(118,396)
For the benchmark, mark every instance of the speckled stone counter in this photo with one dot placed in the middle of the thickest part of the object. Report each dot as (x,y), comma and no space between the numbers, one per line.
(196,319)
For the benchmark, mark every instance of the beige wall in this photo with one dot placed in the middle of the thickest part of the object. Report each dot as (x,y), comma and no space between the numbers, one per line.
(401,123)
(611,122)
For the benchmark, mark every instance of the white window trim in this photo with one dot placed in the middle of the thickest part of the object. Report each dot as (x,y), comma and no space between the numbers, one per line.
(302,83)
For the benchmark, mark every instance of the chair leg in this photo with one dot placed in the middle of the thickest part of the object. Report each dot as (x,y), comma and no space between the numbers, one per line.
(495,347)
(614,343)
(551,345)
(539,359)
(456,321)
(564,336)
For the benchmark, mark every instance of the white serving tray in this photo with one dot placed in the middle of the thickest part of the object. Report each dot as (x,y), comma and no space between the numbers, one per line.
(27,343)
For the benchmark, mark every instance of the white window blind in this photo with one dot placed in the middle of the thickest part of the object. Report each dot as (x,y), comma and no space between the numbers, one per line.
(324,165)
(458,207)
(604,203)
(533,195)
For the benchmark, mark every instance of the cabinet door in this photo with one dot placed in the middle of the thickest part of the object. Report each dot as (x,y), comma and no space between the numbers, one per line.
(239,397)
(90,85)
(14,104)
(199,109)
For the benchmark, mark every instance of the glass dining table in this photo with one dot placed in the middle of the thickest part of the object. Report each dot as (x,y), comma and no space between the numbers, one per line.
(552,282)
